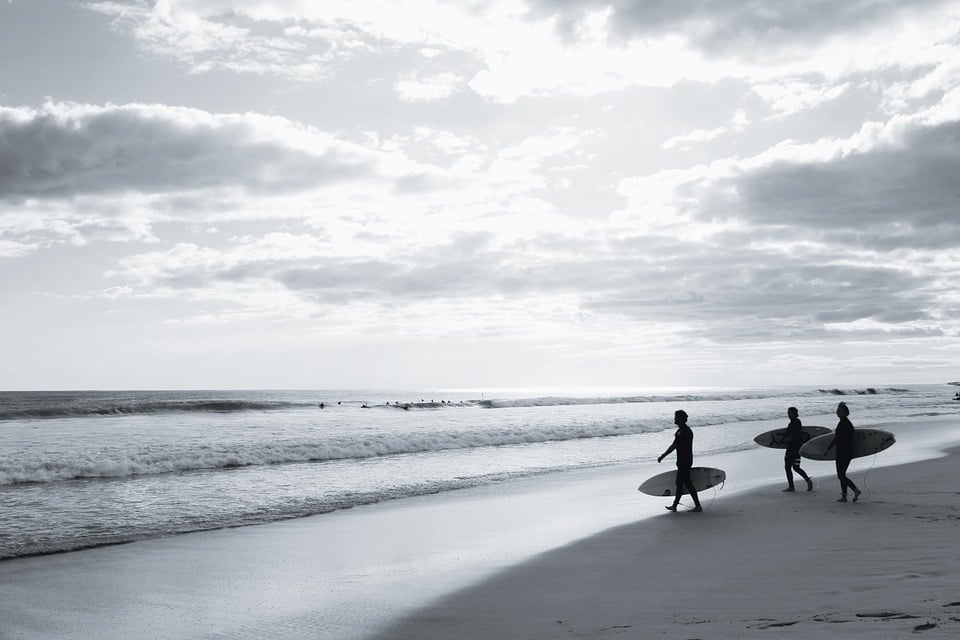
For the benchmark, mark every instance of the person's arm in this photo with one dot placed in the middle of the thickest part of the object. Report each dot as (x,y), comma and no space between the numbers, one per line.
(669,450)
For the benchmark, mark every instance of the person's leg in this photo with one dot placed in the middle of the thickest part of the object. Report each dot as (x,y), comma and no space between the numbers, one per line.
(688,482)
(842,477)
(678,492)
(845,482)
(788,468)
(849,482)
(696,498)
(803,474)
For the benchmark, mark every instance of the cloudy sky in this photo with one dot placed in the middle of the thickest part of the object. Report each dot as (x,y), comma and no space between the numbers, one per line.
(410,193)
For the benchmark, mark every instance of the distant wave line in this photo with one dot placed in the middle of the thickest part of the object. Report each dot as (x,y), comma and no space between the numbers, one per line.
(80,409)
(135,408)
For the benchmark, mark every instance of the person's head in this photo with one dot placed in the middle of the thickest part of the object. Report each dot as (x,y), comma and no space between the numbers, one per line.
(679,417)
(842,410)
(792,412)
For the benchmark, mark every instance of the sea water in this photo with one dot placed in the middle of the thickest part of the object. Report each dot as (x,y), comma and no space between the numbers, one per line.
(82,469)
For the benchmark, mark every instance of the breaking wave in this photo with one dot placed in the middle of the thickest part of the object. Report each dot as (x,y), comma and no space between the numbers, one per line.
(160,460)
(217,406)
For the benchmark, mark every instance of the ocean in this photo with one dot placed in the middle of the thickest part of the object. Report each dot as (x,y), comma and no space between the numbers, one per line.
(89,468)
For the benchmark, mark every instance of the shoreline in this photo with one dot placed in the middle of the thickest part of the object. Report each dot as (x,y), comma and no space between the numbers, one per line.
(352,574)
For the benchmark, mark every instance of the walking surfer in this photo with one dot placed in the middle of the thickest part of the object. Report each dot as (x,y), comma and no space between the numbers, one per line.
(791,459)
(683,444)
(843,440)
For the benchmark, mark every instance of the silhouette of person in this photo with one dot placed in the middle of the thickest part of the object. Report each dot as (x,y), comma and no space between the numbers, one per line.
(843,440)
(683,445)
(791,458)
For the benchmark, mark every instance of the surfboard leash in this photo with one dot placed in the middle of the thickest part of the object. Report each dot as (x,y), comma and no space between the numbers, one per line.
(866,487)
(713,498)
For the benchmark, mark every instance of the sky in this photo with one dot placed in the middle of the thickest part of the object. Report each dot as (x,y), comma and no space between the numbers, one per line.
(466,194)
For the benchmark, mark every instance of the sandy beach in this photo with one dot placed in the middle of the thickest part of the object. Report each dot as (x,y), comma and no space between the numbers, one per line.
(584,556)
(763,564)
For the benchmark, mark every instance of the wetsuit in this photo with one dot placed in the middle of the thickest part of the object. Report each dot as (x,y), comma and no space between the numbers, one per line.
(843,440)
(683,444)
(791,459)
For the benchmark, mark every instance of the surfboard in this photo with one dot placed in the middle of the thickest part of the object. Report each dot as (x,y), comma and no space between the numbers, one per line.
(665,484)
(776,439)
(866,442)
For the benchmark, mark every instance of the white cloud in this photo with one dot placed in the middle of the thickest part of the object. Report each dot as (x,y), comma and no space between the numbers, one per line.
(205,40)
(545,48)
(437,87)
(788,97)
(738,123)
(34,224)
(12,249)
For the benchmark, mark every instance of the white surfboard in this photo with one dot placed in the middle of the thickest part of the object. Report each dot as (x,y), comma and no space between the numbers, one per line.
(777,439)
(866,442)
(665,484)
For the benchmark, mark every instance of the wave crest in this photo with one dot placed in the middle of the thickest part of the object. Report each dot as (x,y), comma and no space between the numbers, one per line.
(149,461)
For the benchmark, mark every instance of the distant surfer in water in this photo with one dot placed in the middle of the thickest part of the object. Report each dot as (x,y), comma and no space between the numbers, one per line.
(791,459)
(843,440)
(683,444)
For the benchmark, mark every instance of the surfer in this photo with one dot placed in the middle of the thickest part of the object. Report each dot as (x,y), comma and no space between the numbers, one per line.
(791,459)
(843,440)
(683,444)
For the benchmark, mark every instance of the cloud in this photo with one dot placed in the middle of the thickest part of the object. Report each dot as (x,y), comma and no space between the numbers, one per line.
(852,236)
(788,97)
(414,88)
(891,185)
(12,249)
(463,285)
(895,196)
(207,38)
(463,266)
(66,149)
(848,237)
(460,224)
(738,29)
(724,293)
(745,294)
(548,47)
(738,123)
(34,224)
(76,173)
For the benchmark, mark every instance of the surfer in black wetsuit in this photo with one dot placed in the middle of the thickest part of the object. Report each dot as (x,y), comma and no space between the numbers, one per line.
(683,444)
(791,459)
(843,440)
